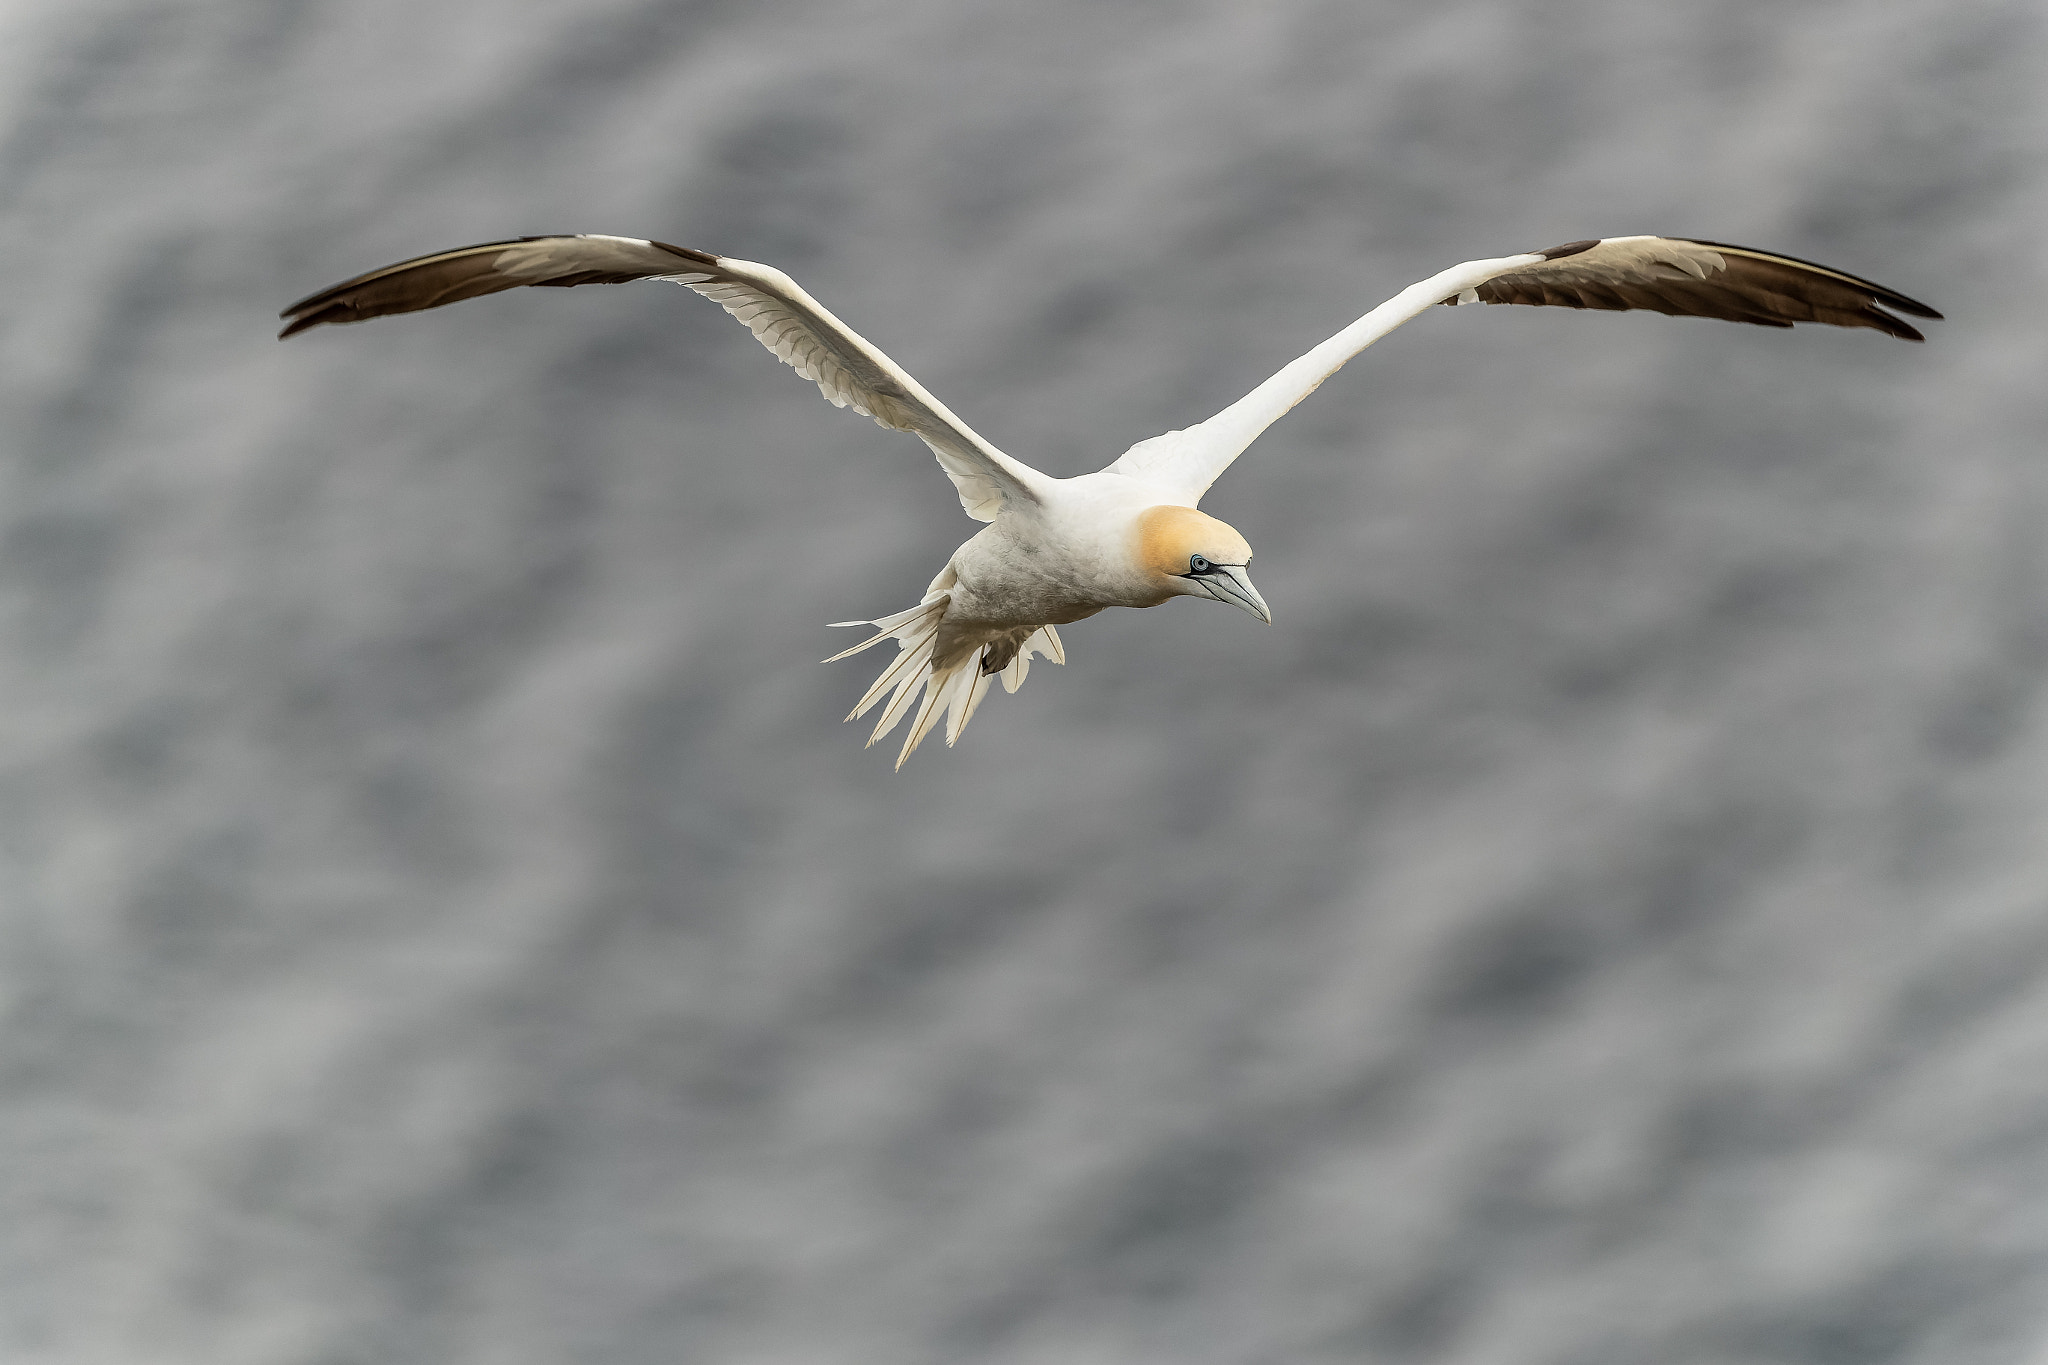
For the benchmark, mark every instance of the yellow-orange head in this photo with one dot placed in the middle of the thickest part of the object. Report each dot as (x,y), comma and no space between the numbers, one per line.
(1192,554)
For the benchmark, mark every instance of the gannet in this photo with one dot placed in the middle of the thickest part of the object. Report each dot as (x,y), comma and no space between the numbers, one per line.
(1129,535)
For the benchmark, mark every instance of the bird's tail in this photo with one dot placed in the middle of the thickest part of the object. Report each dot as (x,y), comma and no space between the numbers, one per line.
(952,688)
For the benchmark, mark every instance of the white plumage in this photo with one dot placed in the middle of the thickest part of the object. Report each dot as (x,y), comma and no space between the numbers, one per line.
(1059,550)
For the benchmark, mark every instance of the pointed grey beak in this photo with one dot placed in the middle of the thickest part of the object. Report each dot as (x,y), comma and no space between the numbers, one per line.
(1230,583)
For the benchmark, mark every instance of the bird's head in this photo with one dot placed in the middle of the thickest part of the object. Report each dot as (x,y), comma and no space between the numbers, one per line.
(1191,554)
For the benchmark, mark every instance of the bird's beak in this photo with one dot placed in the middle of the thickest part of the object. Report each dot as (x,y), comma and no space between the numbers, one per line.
(1230,583)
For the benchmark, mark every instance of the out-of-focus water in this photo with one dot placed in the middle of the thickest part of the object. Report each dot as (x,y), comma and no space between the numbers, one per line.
(1604,919)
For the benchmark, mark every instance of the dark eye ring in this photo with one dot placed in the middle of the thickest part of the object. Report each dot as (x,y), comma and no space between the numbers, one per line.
(1198,565)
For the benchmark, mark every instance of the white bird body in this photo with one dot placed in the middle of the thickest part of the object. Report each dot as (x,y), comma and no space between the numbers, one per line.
(1060,550)
(1063,558)
(1077,546)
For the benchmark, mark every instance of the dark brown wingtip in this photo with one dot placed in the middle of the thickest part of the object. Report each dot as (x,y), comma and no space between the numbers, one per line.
(1890,298)
(318,310)
(303,318)
(688,254)
(1893,299)
(1558,253)
(307,312)
(443,277)
(451,276)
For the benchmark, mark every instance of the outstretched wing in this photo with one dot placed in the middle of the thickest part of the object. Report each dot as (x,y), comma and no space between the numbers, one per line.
(847,368)
(1664,274)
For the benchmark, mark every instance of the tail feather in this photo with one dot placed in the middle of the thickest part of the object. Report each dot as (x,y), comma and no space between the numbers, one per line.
(935,688)
(952,693)
(906,693)
(893,627)
(975,692)
(914,653)
(1046,641)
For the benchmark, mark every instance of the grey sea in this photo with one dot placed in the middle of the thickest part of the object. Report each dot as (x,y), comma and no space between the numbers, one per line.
(1603,920)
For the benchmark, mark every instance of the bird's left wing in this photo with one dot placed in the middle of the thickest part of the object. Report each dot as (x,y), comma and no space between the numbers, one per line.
(847,368)
(1672,275)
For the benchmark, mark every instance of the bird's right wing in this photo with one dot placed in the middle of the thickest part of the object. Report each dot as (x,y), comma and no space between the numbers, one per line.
(1672,275)
(847,368)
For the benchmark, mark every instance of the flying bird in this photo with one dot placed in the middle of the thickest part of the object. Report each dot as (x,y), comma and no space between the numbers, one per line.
(1129,535)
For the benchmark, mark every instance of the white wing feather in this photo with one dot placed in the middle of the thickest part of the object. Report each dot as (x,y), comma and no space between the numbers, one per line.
(854,373)
(1187,462)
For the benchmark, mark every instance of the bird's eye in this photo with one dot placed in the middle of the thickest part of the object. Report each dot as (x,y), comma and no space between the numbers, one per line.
(1198,565)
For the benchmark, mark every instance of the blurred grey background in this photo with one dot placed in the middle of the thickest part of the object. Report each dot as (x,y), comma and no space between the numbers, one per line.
(1604,919)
